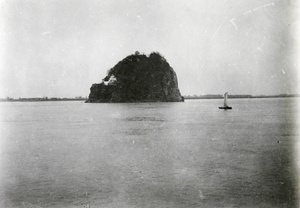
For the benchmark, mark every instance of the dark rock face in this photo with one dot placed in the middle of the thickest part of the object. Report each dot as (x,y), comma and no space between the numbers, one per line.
(138,78)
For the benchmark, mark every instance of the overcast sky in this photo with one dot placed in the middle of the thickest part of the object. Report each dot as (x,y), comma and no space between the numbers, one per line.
(59,48)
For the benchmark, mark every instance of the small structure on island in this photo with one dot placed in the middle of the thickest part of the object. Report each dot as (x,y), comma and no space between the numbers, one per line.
(225,107)
(109,80)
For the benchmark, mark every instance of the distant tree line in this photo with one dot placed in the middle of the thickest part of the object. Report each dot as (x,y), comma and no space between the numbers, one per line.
(35,99)
(219,96)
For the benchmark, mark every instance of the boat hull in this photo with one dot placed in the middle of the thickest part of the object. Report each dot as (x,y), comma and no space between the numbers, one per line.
(226,107)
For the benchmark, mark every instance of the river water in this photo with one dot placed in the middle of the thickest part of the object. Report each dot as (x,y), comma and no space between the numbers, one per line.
(190,154)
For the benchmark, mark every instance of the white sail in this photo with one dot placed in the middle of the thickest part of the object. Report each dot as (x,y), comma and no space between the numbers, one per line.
(225,99)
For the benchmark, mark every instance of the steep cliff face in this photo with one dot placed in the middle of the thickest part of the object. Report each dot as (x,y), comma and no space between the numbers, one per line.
(138,78)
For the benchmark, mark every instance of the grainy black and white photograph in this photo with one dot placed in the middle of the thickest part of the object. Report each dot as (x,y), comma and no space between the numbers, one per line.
(149,103)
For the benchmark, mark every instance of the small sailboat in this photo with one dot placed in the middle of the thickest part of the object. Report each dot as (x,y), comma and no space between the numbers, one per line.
(225,107)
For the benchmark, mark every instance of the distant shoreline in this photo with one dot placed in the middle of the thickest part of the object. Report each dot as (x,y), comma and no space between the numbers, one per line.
(240,96)
(41,99)
(45,99)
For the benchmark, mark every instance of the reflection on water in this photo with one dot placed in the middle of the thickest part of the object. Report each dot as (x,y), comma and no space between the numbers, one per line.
(144,119)
(191,154)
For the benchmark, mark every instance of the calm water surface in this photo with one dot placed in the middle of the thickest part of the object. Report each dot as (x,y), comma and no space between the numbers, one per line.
(191,154)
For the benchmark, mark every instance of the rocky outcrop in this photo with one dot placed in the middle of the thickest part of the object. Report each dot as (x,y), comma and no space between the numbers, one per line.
(138,78)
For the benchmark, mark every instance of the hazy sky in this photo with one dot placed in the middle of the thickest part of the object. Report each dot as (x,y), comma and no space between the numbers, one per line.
(59,48)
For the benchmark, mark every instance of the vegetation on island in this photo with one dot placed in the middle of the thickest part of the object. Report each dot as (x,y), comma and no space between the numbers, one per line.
(138,78)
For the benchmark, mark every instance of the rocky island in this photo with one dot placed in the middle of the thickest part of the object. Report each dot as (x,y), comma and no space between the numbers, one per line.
(138,78)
